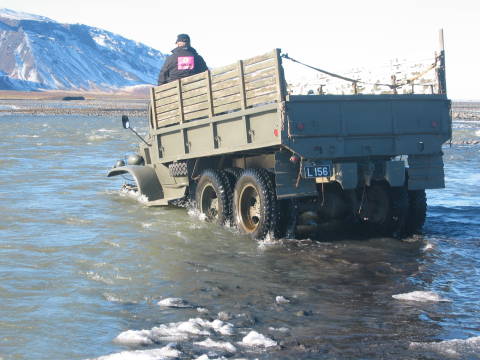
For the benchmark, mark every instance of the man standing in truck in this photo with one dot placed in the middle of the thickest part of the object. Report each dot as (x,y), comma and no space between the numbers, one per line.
(183,62)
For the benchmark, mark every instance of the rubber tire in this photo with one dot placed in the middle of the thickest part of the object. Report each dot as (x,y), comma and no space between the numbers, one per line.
(417,212)
(214,181)
(256,181)
(380,227)
(399,202)
(233,174)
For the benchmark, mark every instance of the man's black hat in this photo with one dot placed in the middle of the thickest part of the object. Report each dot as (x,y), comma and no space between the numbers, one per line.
(184,38)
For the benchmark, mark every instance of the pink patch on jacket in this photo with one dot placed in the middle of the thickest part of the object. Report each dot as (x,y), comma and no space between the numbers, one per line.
(186,63)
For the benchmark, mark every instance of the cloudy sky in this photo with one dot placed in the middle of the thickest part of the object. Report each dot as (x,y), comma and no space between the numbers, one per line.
(333,35)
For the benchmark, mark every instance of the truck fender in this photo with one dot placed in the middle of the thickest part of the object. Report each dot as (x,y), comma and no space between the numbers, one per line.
(145,178)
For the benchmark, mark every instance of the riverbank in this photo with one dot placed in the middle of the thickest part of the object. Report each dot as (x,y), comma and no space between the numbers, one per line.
(132,104)
(72,103)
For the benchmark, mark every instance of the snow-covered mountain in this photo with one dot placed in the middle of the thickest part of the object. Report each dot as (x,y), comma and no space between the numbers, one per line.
(39,53)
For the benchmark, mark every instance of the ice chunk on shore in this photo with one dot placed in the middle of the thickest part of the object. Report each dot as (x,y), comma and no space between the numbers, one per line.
(422,296)
(135,338)
(174,303)
(224,345)
(254,339)
(281,300)
(174,332)
(167,352)
(456,348)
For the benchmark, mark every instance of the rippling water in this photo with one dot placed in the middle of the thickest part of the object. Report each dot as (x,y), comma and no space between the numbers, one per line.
(85,268)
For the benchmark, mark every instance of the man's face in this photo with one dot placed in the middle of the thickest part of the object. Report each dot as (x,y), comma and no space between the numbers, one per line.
(181,44)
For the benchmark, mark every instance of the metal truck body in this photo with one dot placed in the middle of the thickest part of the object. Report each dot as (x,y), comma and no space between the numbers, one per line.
(245,151)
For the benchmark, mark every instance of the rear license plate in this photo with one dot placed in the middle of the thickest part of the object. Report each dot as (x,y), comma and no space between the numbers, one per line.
(317,171)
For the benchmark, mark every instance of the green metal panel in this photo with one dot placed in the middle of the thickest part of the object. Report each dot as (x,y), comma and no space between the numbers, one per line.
(199,138)
(367,117)
(262,128)
(336,126)
(171,145)
(239,131)
(231,133)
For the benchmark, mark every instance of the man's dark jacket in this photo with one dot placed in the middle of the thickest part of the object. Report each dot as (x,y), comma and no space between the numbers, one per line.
(183,62)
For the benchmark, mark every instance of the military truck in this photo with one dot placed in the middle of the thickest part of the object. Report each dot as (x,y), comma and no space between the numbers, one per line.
(245,151)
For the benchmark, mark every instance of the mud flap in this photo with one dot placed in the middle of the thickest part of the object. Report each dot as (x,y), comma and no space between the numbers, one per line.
(425,172)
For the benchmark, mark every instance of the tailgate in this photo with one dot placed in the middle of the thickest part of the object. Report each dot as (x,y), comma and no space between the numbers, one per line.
(338,126)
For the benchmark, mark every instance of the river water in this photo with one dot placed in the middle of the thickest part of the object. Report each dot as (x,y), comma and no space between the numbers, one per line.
(88,272)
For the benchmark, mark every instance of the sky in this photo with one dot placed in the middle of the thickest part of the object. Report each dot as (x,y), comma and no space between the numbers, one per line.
(332,35)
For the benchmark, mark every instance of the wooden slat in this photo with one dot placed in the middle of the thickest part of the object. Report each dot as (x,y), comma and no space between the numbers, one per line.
(226,76)
(169,121)
(261,83)
(193,93)
(196,107)
(195,85)
(164,108)
(260,66)
(226,100)
(225,84)
(261,91)
(259,58)
(209,94)
(166,100)
(226,92)
(260,75)
(167,114)
(193,78)
(196,115)
(195,100)
(180,100)
(221,70)
(164,87)
(262,99)
(169,92)
(228,107)
(241,75)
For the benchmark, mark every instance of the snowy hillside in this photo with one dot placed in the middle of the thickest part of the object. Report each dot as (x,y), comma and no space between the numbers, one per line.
(39,53)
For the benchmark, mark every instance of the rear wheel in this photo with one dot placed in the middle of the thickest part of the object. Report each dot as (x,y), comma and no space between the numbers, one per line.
(417,211)
(375,210)
(399,201)
(255,203)
(213,196)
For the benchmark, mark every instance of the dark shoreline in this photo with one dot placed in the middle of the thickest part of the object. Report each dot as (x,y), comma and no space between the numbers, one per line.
(76,111)
(111,106)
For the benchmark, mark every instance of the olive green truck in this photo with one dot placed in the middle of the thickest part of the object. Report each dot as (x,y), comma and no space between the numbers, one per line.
(245,151)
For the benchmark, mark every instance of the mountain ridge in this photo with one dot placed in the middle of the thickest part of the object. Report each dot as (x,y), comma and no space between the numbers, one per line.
(37,53)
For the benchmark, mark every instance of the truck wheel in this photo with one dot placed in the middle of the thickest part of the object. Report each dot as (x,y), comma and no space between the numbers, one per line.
(213,196)
(233,174)
(399,201)
(376,209)
(255,203)
(417,211)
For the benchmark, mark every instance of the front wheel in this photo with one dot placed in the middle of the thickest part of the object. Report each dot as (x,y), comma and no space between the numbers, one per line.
(255,203)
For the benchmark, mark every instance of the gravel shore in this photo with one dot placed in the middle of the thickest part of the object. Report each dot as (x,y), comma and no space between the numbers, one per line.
(138,107)
(76,111)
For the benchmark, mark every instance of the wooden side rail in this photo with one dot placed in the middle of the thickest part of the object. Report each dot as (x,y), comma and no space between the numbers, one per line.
(239,86)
